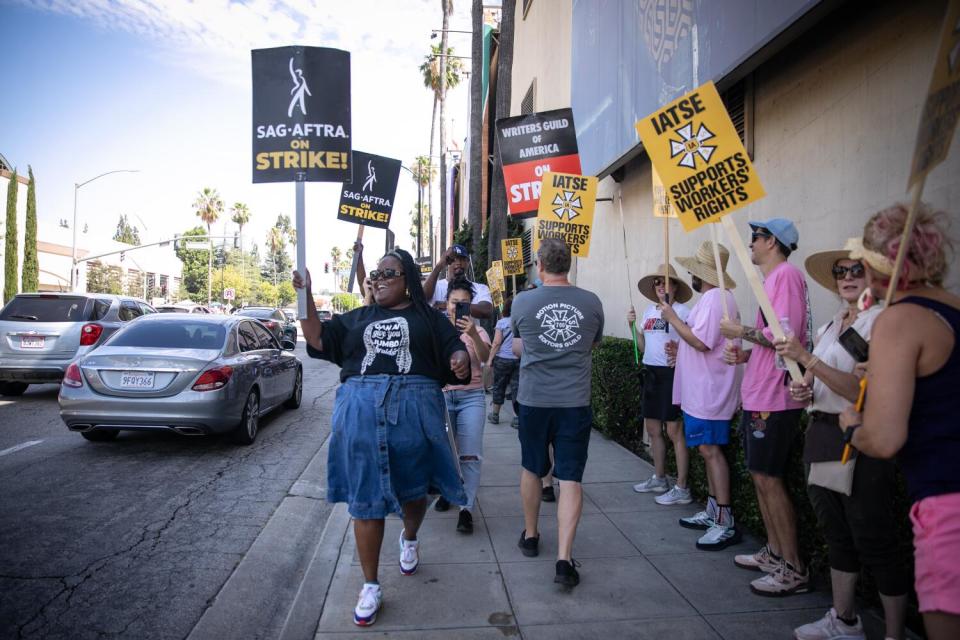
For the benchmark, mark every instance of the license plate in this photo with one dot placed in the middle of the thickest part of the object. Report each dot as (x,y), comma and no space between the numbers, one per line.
(32,342)
(136,380)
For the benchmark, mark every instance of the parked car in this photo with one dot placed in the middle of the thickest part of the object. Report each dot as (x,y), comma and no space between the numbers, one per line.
(325,314)
(274,319)
(180,307)
(290,314)
(42,333)
(187,373)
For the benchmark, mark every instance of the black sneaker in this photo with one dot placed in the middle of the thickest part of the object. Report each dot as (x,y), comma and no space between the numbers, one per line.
(442,504)
(548,494)
(529,546)
(465,522)
(567,573)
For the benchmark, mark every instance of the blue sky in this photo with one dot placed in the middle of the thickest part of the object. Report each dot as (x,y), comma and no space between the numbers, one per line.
(163,86)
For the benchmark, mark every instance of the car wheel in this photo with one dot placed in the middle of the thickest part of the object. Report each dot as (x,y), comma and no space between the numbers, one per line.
(293,402)
(13,388)
(101,435)
(246,431)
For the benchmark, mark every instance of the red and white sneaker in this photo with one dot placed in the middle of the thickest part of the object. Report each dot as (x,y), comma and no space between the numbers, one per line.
(371,599)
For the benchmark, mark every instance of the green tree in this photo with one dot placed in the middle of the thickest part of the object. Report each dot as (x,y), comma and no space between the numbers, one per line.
(265,294)
(286,293)
(241,215)
(343,302)
(126,232)
(104,279)
(208,206)
(194,265)
(11,250)
(423,174)
(31,269)
(276,262)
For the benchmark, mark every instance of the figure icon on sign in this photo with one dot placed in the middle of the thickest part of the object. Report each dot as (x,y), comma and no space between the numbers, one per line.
(299,88)
(371,177)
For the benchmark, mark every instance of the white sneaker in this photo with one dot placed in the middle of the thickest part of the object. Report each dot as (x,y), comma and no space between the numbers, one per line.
(718,537)
(830,627)
(700,520)
(655,484)
(409,556)
(365,613)
(676,495)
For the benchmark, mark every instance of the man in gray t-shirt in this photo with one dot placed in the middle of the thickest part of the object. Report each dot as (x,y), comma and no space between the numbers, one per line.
(555,328)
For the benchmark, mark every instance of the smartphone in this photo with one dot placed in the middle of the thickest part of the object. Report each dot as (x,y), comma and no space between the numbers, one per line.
(855,345)
(463,310)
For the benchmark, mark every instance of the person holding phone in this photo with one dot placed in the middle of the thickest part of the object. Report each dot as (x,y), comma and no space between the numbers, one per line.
(657,408)
(466,403)
(852,508)
(912,401)
(454,263)
(388,441)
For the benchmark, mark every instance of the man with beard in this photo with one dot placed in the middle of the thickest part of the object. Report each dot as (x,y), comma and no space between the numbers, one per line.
(456,259)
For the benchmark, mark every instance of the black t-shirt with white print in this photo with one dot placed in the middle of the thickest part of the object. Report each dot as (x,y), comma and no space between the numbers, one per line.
(374,340)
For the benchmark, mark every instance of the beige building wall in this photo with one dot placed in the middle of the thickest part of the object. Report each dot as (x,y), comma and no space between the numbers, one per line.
(541,51)
(835,121)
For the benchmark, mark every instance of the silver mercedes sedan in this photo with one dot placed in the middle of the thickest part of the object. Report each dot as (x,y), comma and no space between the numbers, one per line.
(192,374)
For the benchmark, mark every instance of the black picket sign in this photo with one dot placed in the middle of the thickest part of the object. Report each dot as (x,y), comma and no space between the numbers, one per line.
(368,199)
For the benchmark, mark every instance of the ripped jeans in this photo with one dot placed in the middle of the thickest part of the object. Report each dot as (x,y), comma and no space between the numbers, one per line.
(466,409)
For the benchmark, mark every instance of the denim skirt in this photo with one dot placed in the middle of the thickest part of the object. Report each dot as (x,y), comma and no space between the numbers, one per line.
(389,445)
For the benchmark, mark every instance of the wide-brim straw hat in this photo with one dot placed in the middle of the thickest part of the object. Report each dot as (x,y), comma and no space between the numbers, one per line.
(819,266)
(704,265)
(645,284)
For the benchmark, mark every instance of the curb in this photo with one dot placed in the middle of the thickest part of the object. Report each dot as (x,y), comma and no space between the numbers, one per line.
(256,599)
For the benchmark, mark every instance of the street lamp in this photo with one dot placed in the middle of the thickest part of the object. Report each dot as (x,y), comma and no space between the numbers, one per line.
(76,188)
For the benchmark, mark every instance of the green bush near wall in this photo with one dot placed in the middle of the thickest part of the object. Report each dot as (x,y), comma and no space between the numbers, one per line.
(616,398)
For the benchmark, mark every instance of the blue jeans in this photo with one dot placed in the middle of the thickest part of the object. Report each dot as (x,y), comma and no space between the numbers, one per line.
(466,409)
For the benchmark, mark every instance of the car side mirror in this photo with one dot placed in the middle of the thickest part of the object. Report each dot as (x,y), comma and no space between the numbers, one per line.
(288,345)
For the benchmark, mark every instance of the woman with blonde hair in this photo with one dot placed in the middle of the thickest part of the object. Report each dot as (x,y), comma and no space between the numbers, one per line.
(912,401)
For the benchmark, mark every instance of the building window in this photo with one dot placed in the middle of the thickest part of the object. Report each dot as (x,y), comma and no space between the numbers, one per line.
(529,99)
(738,100)
(526,7)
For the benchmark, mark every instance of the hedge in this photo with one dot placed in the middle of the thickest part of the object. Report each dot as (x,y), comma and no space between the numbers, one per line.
(617,384)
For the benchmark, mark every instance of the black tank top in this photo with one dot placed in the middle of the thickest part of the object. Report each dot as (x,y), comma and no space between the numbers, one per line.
(929,457)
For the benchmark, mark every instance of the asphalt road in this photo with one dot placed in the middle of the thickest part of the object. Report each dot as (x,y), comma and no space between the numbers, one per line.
(134,538)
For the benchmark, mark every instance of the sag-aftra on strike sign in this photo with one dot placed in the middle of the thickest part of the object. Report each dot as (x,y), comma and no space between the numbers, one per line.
(698,154)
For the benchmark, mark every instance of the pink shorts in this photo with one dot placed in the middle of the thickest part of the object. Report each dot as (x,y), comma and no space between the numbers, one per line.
(936,542)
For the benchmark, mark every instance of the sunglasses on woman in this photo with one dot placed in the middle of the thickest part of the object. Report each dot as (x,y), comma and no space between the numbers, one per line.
(385,274)
(855,271)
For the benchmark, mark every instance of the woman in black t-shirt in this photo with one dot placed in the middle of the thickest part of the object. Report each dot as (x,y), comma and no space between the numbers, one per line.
(388,442)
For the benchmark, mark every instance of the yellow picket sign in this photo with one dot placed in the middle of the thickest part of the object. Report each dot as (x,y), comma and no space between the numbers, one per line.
(662,207)
(497,296)
(941,110)
(497,266)
(696,150)
(495,277)
(566,209)
(512,251)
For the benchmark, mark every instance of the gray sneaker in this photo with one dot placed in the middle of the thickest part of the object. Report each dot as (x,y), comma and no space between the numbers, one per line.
(762,560)
(700,521)
(676,495)
(830,627)
(785,581)
(654,484)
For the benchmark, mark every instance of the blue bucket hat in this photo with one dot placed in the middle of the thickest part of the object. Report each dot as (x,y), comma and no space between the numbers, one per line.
(780,228)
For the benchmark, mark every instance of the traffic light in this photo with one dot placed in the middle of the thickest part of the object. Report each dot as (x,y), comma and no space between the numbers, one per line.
(326,267)
(122,256)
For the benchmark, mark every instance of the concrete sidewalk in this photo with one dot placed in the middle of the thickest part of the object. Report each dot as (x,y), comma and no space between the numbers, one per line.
(642,576)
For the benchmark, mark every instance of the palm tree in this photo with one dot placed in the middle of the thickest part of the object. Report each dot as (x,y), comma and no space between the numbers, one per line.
(209,206)
(241,216)
(275,244)
(498,194)
(423,173)
(476,160)
(447,8)
(432,67)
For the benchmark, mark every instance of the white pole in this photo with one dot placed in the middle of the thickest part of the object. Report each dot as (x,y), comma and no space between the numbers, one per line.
(301,222)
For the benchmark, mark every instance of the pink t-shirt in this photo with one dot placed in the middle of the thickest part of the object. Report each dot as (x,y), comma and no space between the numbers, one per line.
(763,387)
(476,376)
(704,385)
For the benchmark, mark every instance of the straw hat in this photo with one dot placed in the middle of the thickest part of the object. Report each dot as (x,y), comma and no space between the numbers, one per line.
(820,265)
(683,291)
(704,265)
